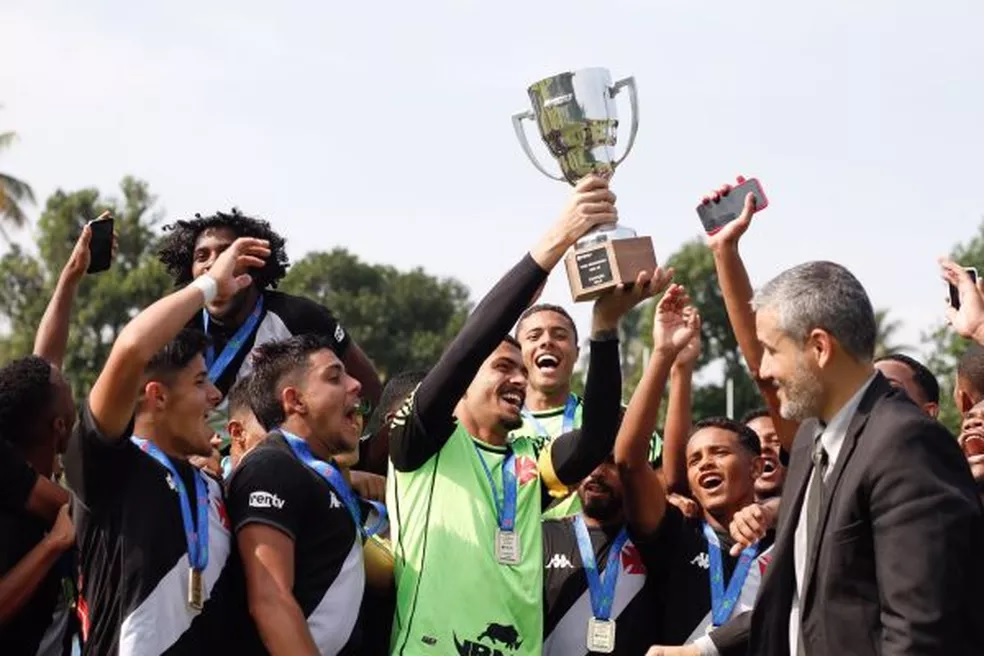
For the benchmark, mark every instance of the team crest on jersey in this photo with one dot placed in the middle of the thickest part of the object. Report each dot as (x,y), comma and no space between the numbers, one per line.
(493,640)
(526,469)
(632,563)
(220,509)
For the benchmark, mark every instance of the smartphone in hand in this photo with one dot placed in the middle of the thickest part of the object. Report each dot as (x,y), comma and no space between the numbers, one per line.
(953,297)
(715,214)
(101,244)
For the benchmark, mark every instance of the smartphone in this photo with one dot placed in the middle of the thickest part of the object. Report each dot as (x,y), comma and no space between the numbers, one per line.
(952,291)
(101,244)
(715,214)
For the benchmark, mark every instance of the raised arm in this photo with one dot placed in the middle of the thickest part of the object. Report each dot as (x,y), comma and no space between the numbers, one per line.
(645,498)
(422,427)
(677,426)
(51,339)
(115,392)
(737,292)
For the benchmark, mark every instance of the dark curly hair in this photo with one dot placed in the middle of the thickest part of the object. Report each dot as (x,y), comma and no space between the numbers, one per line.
(177,250)
(26,398)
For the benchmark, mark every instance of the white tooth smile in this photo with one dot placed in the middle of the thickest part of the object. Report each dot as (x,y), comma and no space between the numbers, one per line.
(547,360)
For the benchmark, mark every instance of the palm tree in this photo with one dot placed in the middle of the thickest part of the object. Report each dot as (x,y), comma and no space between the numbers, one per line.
(13,193)
(886,329)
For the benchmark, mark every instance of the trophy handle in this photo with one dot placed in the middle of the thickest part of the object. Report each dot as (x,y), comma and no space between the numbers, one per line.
(629,83)
(521,135)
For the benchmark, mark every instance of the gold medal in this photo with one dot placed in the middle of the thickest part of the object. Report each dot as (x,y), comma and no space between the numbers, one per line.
(196,590)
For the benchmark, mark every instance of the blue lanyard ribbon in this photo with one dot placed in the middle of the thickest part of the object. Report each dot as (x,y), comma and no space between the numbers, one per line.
(197,538)
(567,423)
(505,513)
(601,589)
(723,599)
(218,365)
(331,474)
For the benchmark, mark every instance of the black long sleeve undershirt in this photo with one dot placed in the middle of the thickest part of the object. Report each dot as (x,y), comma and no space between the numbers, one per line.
(421,428)
(575,454)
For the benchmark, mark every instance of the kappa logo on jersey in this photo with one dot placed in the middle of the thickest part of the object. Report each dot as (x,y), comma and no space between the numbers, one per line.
(559,561)
(261,499)
(334,501)
(339,333)
(495,635)
(170,481)
(632,563)
(701,561)
(526,469)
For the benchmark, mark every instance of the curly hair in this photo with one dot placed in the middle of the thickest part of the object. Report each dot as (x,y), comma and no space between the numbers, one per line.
(26,396)
(177,250)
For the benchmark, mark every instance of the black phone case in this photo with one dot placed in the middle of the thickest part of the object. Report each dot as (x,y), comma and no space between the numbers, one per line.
(101,246)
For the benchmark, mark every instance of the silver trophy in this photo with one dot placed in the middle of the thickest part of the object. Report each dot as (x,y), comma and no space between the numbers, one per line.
(576,116)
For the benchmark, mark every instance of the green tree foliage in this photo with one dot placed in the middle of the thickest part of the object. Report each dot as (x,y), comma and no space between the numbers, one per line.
(944,345)
(403,320)
(105,301)
(13,192)
(886,330)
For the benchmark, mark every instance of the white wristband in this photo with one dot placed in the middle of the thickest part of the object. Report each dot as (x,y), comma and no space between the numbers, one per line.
(208,286)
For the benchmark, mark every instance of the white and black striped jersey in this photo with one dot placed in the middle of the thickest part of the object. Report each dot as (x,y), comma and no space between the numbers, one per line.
(569,608)
(272,486)
(134,557)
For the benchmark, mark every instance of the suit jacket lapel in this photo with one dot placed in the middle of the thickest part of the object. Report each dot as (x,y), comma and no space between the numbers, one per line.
(877,389)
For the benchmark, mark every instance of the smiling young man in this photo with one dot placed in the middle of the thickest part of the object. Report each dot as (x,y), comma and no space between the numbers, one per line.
(153,535)
(548,338)
(465,502)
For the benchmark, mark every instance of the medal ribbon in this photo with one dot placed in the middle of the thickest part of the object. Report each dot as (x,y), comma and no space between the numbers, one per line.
(197,538)
(505,513)
(218,365)
(723,599)
(331,474)
(601,589)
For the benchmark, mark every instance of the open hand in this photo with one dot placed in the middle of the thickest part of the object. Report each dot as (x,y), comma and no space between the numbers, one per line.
(614,304)
(675,322)
(243,254)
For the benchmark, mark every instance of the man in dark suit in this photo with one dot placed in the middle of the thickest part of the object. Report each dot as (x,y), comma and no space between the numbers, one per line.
(879,548)
(879,544)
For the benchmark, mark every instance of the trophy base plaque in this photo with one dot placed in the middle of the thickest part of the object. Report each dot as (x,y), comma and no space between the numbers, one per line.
(594,270)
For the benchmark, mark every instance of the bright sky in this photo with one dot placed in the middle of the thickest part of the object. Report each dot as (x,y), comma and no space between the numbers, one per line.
(385,127)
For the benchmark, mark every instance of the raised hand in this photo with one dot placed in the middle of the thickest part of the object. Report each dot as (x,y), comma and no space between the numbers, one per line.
(78,261)
(689,355)
(675,324)
(613,305)
(969,319)
(730,233)
(228,271)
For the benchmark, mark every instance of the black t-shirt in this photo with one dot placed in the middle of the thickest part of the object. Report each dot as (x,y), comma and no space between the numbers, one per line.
(283,316)
(680,566)
(567,599)
(17,478)
(134,556)
(273,487)
(19,534)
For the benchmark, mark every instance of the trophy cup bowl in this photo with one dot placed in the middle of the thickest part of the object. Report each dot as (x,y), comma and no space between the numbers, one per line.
(576,116)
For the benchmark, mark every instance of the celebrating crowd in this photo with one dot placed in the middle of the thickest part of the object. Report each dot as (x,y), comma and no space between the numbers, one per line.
(238,481)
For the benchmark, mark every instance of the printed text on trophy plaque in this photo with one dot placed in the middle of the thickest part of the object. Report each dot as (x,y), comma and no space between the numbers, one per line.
(593,267)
